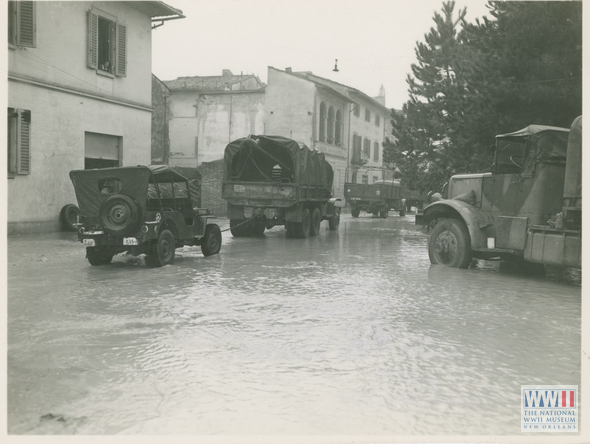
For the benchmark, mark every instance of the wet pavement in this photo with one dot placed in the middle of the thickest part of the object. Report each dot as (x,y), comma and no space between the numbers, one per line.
(352,332)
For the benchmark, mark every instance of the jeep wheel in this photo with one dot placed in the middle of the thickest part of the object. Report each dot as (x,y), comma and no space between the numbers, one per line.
(99,255)
(334,221)
(383,214)
(68,216)
(164,249)
(355,212)
(119,214)
(316,220)
(211,243)
(450,244)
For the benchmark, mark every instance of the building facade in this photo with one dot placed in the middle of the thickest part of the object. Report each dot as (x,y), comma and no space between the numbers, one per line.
(345,124)
(208,112)
(79,96)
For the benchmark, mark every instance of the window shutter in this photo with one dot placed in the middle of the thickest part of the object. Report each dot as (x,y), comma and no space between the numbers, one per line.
(25,35)
(24,143)
(121,67)
(92,40)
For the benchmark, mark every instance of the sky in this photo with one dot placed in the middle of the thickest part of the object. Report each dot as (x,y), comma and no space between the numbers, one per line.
(373,40)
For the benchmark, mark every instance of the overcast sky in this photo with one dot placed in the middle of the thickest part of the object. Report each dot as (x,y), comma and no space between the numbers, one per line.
(373,40)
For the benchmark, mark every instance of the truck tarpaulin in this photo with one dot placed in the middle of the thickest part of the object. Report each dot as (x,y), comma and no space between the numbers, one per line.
(272,158)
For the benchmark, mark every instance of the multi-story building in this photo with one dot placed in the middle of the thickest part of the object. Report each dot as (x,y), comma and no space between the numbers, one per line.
(79,96)
(208,112)
(343,122)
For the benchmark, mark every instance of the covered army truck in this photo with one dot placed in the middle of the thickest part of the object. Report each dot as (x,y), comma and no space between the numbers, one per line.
(377,198)
(273,180)
(528,209)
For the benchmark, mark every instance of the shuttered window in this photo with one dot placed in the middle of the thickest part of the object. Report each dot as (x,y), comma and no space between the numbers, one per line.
(21,24)
(19,141)
(107,44)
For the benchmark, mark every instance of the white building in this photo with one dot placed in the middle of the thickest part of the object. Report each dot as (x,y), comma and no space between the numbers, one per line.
(79,96)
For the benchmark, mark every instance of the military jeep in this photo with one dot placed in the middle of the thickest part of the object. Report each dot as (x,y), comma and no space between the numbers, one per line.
(140,210)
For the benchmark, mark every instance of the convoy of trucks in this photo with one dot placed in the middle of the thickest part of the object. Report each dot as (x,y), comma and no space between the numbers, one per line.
(528,209)
(272,180)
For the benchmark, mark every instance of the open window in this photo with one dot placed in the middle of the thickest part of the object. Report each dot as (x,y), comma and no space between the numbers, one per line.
(107,44)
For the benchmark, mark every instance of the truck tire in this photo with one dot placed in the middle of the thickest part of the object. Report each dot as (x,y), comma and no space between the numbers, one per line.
(241,230)
(211,243)
(334,221)
(119,214)
(256,227)
(383,214)
(163,251)
(68,216)
(450,244)
(301,229)
(402,212)
(99,255)
(316,220)
(354,212)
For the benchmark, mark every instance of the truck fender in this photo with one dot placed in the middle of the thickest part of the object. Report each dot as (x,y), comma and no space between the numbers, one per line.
(475,219)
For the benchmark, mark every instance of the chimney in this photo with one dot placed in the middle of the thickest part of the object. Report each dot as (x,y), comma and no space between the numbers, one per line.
(289,70)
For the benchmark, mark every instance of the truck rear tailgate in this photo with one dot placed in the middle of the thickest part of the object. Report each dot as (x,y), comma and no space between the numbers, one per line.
(260,193)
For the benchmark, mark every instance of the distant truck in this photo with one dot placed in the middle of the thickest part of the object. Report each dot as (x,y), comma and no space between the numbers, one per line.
(273,180)
(376,198)
(381,196)
(527,210)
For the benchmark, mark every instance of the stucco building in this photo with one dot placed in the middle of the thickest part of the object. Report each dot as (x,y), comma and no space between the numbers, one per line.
(79,96)
(208,112)
(342,122)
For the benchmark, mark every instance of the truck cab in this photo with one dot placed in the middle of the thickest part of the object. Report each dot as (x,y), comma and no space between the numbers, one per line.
(491,215)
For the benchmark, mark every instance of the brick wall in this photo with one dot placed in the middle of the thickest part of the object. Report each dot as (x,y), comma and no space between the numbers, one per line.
(211,181)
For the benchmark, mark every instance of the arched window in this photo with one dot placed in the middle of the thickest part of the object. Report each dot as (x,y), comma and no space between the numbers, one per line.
(338,128)
(322,122)
(331,125)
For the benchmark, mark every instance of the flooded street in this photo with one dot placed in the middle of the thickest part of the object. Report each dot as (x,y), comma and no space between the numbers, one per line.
(349,332)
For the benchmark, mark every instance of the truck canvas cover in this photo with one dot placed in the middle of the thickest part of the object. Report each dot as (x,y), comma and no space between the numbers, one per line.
(272,158)
(133,182)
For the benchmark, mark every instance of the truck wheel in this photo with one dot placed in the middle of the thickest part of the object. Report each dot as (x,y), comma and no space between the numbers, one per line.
(68,216)
(119,214)
(164,249)
(450,244)
(334,221)
(241,231)
(300,229)
(256,227)
(211,243)
(383,214)
(316,220)
(402,212)
(99,255)
(355,212)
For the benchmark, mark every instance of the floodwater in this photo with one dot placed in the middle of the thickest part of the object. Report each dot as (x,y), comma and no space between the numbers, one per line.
(352,332)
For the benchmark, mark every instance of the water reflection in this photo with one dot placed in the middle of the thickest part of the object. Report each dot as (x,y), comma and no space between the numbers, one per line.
(349,332)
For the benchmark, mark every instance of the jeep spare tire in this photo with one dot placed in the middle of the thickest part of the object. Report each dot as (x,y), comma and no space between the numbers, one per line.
(119,214)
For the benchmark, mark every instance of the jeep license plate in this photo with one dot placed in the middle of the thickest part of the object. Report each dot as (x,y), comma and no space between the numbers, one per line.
(89,242)
(130,241)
